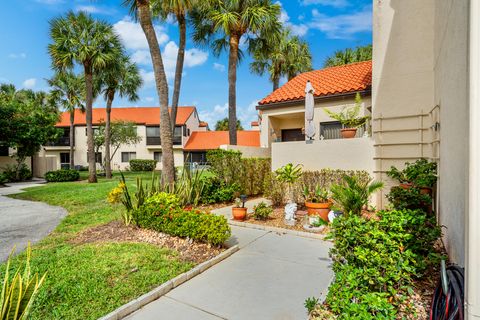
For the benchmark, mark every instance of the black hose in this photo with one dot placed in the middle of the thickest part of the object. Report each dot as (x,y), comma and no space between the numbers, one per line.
(449,305)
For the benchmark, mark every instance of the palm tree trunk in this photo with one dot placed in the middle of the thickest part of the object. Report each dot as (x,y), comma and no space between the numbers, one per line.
(168,166)
(108,167)
(182,26)
(92,172)
(71,137)
(232,88)
(276,83)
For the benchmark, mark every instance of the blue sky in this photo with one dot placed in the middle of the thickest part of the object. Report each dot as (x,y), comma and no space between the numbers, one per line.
(327,25)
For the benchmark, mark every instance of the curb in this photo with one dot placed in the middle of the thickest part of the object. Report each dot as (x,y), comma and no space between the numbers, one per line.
(163,289)
(276,229)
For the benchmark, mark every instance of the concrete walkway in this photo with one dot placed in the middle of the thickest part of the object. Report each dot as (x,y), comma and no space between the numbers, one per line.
(24,221)
(268,278)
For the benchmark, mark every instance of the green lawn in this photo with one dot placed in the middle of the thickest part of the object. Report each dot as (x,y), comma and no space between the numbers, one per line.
(89,280)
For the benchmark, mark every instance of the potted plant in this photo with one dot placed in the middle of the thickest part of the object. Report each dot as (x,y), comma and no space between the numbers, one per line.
(317,202)
(349,118)
(239,212)
(421,174)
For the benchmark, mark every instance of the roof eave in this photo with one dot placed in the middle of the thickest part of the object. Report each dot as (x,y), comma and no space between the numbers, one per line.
(289,103)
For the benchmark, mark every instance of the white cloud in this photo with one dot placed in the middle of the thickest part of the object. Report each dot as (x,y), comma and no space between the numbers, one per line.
(149,99)
(21,55)
(331,3)
(343,26)
(94,9)
(193,57)
(132,34)
(148,77)
(297,29)
(30,83)
(141,57)
(245,114)
(218,66)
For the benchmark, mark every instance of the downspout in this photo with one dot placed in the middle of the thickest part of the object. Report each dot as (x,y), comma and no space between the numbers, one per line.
(472,221)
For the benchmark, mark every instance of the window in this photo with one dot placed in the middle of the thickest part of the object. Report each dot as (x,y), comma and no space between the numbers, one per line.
(127,156)
(3,151)
(197,157)
(64,160)
(293,135)
(157,155)
(98,157)
(330,130)
(153,131)
(95,130)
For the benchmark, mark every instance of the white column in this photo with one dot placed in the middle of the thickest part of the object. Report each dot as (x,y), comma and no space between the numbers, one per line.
(472,221)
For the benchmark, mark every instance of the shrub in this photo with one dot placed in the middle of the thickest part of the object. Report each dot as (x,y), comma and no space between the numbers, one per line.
(261,211)
(409,198)
(142,164)
(354,194)
(421,173)
(215,190)
(62,175)
(375,261)
(162,213)
(10,173)
(248,174)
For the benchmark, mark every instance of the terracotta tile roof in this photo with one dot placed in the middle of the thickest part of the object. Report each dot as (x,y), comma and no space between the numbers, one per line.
(254,123)
(328,81)
(203,124)
(139,115)
(207,140)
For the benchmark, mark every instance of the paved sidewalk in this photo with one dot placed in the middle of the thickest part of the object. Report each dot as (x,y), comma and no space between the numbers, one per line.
(268,278)
(24,221)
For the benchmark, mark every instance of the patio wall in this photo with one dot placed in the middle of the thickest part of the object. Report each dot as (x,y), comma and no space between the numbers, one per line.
(248,152)
(346,154)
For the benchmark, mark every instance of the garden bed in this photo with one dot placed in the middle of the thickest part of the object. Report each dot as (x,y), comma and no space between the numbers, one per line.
(276,219)
(116,231)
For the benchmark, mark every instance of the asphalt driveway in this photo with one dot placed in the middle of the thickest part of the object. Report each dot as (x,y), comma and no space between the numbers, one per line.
(24,221)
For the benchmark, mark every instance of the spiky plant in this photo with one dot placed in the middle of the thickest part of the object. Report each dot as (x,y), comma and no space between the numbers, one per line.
(19,292)
(354,194)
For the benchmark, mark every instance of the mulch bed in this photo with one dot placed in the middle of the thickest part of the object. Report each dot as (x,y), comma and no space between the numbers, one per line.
(116,231)
(276,219)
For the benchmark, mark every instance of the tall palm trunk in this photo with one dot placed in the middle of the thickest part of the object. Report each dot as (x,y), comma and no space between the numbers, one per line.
(144,16)
(92,172)
(276,82)
(182,26)
(71,137)
(232,88)
(108,167)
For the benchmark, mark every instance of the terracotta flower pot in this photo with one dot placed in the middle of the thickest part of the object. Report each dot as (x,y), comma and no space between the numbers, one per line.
(406,185)
(318,209)
(239,214)
(426,190)
(348,133)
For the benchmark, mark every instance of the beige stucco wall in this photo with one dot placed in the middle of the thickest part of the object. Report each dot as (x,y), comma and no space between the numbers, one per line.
(451,94)
(345,154)
(277,118)
(420,62)
(249,152)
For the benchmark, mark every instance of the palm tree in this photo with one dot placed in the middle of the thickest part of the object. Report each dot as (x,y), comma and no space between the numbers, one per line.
(78,38)
(223,23)
(141,10)
(349,55)
(179,9)
(222,125)
(123,78)
(286,56)
(68,91)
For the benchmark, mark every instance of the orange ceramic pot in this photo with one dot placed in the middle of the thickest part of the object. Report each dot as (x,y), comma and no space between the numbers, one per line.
(318,209)
(348,133)
(239,214)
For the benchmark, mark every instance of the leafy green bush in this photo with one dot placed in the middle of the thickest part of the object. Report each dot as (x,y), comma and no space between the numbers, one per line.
(262,211)
(62,175)
(10,173)
(215,190)
(409,198)
(162,213)
(375,261)
(325,178)
(248,174)
(142,164)
(354,194)
(421,173)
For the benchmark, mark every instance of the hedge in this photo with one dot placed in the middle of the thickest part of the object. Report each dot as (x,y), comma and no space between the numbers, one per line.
(162,213)
(142,164)
(62,175)
(248,173)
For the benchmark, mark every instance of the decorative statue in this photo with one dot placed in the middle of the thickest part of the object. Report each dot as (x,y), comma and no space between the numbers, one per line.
(290,210)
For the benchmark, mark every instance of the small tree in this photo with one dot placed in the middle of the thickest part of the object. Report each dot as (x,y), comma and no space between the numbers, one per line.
(222,125)
(121,133)
(289,174)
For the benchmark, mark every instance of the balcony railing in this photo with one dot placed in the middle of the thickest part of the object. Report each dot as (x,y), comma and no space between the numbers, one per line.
(60,142)
(155,141)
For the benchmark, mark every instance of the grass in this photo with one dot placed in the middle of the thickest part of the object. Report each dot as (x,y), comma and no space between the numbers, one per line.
(88,281)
